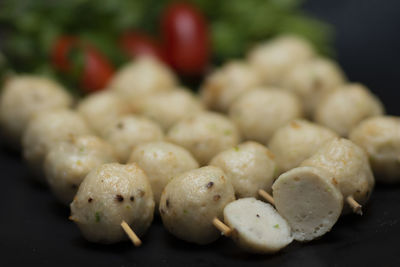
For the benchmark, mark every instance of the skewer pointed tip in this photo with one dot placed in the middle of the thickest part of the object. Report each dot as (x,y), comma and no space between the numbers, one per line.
(357,208)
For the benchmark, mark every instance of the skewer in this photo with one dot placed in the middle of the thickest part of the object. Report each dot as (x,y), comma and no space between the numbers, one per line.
(265,195)
(225,229)
(357,208)
(131,234)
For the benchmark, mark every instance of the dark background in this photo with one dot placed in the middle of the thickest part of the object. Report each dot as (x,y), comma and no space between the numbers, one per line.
(34,229)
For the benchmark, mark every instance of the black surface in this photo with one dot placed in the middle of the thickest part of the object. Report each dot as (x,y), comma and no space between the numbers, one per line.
(34,229)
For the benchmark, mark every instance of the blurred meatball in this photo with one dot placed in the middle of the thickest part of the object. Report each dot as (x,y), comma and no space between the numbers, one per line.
(344,108)
(162,161)
(380,138)
(166,108)
(109,194)
(125,133)
(102,108)
(312,80)
(68,163)
(24,96)
(47,129)
(224,85)
(204,134)
(260,112)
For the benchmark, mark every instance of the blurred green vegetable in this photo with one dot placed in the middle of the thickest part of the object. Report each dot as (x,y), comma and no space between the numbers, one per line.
(31,26)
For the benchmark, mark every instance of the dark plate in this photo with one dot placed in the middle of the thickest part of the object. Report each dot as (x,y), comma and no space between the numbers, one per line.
(34,229)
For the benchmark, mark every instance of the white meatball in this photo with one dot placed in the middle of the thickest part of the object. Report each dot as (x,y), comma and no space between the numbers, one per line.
(141,78)
(250,167)
(348,166)
(275,58)
(68,163)
(167,108)
(108,195)
(310,203)
(297,141)
(102,108)
(312,80)
(129,131)
(223,86)
(24,96)
(162,161)
(260,112)
(257,226)
(45,130)
(380,138)
(204,134)
(344,108)
(192,200)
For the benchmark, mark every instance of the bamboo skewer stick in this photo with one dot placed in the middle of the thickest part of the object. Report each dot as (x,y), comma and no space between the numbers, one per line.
(225,229)
(357,208)
(131,234)
(265,195)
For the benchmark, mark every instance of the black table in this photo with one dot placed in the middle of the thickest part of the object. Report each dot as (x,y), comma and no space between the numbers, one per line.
(35,229)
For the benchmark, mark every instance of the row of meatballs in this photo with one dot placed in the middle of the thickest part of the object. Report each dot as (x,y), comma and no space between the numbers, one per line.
(161,134)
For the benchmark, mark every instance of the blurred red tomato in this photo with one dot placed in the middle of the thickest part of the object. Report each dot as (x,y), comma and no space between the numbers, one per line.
(186,39)
(138,44)
(80,60)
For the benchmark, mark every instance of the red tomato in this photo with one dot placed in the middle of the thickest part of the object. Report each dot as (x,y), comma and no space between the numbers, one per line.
(97,71)
(60,52)
(186,39)
(93,72)
(137,44)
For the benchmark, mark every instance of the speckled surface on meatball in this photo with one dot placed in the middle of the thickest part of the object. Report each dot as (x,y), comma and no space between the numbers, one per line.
(347,106)
(192,200)
(275,58)
(24,96)
(162,161)
(167,108)
(348,167)
(204,134)
(142,77)
(47,129)
(129,131)
(297,141)
(312,80)
(380,138)
(250,166)
(260,112)
(224,85)
(109,194)
(102,108)
(68,163)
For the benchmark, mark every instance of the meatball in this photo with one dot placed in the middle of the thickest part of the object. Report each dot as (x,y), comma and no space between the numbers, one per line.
(260,112)
(141,78)
(310,203)
(129,131)
(348,167)
(204,134)
(275,58)
(257,226)
(312,80)
(344,108)
(24,96)
(250,166)
(297,141)
(44,131)
(380,138)
(192,200)
(68,163)
(108,195)
(162,161)
(167,108)
(223,86)
(102,108)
